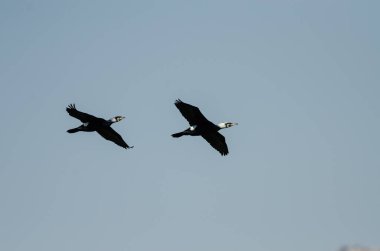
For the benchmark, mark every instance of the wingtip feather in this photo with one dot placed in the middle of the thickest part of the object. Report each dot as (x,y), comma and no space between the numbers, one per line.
(71,107)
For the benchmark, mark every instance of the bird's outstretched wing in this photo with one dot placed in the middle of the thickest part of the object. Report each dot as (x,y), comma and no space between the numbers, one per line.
(110,134)
(191,113)
(83,117)
(217,141)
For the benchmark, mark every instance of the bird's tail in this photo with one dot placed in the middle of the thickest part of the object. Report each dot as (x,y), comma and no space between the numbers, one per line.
(177,135)
(73,130)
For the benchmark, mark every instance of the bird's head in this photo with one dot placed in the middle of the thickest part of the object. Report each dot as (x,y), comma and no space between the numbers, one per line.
(117,119)
(226,124)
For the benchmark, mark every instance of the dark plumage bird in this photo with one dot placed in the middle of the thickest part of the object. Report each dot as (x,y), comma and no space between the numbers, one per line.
(101,126)
(200,126)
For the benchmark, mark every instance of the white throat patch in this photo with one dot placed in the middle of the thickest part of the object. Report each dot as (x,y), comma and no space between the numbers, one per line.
(222,125)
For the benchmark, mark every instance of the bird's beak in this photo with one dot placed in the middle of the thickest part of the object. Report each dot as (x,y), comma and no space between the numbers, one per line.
(235,124)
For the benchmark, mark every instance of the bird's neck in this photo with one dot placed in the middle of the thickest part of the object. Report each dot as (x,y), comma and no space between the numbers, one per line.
(222,125)
(112,120)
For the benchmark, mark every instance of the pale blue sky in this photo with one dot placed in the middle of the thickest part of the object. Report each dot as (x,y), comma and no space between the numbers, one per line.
(300,77)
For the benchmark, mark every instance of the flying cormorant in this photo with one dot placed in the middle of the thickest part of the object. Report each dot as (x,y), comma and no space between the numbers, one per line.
(101,126)
(200,126)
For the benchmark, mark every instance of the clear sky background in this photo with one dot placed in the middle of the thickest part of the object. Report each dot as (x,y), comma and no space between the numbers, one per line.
(300,77)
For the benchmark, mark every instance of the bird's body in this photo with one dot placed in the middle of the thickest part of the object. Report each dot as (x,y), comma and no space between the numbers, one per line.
(100,125)
(200,126)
